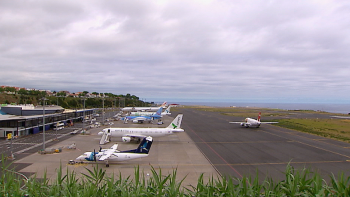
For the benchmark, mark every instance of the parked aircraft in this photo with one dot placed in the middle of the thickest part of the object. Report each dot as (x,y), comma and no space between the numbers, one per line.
(250,122)
(125,109)
(114,155)
(166,112)
(141,119)
(128,134)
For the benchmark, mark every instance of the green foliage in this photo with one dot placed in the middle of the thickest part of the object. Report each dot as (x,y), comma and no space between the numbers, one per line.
(301,182)
(68,102)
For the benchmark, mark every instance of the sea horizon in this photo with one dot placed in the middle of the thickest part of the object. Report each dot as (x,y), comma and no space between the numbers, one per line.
(326,107)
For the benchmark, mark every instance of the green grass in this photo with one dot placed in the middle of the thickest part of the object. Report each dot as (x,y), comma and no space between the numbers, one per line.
(253,111)
(96,182)
(331,128)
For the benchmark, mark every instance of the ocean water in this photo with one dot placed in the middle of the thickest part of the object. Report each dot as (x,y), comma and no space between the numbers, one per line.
(327,107)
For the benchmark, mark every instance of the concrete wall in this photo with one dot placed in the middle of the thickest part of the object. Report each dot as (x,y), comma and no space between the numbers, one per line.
(28,112)
(12,110)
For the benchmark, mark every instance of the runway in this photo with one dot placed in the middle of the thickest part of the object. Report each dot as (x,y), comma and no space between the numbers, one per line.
(238,151)
(209,145)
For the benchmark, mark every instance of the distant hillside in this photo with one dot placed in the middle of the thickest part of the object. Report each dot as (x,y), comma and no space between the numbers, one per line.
(69,102)
(8,98)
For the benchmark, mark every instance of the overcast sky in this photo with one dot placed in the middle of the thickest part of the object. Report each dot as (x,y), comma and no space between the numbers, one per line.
(238,50)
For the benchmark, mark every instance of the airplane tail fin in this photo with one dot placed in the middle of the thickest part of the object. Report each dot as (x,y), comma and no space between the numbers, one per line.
(159,112)
(176,123)
(259,116)
(144,146)
(167,110)
(164,104)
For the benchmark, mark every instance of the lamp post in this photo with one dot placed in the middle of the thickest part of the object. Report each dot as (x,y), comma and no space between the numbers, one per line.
(44,99)
(115,106)
(103,110)
(11,147)
(83,113)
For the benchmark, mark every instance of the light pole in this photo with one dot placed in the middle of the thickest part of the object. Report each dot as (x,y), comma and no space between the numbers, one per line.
(115,106)
(12,156)
(83,113)
(103,110)
(44,99)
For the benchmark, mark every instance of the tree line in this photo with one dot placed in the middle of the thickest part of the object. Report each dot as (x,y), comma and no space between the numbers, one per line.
(69,101)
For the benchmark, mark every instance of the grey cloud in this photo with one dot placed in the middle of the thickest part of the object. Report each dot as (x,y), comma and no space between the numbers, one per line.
(197,49)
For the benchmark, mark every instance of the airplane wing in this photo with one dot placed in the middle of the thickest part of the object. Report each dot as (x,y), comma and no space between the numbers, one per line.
(114,147)
(142,118)
(135,135)
(236,122)
(268,122)
(106,154)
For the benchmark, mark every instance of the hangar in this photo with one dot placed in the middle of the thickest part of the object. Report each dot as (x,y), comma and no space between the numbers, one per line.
(31,119)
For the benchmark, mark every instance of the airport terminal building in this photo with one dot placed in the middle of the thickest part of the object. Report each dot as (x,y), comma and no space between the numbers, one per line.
(20,120)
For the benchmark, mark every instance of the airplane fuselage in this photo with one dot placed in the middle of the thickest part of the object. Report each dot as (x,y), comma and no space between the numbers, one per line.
(115,157)
(250,122)
(154,132)
(154,109)
(147,113)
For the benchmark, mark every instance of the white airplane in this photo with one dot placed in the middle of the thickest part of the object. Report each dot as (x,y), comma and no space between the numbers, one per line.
(166,112)
(250,122)
(128,134)
(114,155)
(143,118)
(143,108)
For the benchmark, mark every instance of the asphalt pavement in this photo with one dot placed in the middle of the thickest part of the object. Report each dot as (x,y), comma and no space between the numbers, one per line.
(209,145)
(168,153)
(237,151)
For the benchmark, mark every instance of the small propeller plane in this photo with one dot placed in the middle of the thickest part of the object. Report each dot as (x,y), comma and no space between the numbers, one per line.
(114,155)
(250,122)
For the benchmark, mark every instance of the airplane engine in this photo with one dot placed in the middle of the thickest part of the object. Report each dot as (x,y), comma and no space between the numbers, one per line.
(242,124)
(126,139)
(135,121)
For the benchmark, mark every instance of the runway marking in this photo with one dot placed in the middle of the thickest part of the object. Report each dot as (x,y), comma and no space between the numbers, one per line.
(309,144)
(217,154)
(248,142)
(24,143)
(320,139)
(227,164)
(284,163)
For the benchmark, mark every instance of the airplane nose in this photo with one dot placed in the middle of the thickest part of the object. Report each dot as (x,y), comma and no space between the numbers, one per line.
(100,133)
